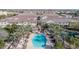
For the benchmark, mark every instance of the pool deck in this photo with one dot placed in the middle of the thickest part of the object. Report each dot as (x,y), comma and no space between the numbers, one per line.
(29,44)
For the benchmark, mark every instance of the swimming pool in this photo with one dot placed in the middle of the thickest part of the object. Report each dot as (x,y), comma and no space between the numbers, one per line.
(39,41)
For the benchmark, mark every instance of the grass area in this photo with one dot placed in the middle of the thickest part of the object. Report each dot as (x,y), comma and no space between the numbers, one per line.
(2,43)
(59,45)
(3,36)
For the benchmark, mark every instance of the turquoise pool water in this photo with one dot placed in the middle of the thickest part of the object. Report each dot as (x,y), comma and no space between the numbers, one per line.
(39,41)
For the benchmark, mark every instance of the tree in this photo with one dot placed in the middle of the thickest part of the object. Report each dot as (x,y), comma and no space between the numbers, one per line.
(76,13)
(38,20)
(2,16)
(11,28)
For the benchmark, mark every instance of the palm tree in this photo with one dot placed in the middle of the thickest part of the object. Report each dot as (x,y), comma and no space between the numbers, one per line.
(38,20)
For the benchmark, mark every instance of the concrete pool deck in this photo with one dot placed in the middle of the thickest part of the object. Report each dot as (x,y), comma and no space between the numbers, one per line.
(29,44)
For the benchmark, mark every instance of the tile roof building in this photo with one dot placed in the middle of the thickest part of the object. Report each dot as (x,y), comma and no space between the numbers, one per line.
(25,18)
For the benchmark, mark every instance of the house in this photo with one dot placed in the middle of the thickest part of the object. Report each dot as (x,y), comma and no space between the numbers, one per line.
(56,20)
(21,19)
